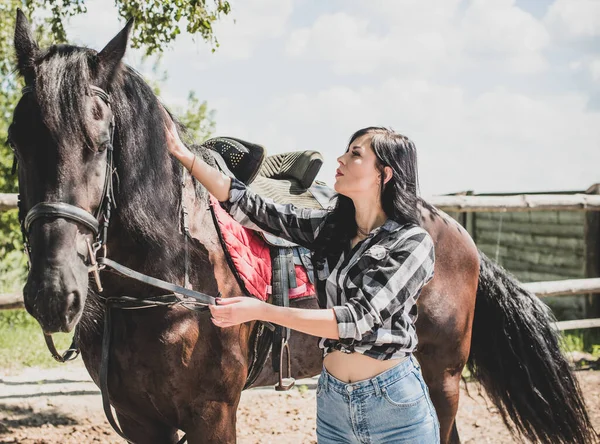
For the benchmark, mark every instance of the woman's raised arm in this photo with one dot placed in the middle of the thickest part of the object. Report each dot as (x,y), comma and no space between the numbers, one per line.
(298,225)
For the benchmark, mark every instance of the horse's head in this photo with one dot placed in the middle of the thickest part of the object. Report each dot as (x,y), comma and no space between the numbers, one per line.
(62,135)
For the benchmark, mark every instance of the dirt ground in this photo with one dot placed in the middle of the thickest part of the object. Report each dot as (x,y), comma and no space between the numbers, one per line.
(64,406)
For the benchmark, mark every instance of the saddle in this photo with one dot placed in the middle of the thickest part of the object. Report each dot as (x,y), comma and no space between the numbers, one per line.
(268,267)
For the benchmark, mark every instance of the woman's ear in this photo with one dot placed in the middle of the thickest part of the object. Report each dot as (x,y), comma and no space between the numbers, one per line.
(387,174)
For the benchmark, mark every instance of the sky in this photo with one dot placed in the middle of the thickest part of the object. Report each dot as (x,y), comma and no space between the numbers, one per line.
(498,95)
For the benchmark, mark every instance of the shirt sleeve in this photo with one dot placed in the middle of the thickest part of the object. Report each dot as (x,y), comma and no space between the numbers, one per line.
(384,288)
(298,225)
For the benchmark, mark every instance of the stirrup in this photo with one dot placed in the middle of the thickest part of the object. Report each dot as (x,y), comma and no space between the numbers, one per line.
(285,383)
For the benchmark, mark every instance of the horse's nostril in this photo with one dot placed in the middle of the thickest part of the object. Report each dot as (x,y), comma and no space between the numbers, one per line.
(73,307)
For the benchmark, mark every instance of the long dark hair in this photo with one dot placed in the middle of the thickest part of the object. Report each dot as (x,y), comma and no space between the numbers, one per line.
(399,196)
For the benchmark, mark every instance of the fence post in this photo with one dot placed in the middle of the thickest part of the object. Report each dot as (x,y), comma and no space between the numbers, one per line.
(592,253)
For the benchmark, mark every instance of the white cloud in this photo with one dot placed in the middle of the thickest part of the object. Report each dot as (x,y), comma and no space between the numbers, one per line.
(501,31)
(574,18)
(589,65)
(425,36)
(594,68)
(356,45)
(249,23)
(343,39)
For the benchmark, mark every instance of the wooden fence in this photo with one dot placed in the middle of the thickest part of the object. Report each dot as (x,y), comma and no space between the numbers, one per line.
(524,202)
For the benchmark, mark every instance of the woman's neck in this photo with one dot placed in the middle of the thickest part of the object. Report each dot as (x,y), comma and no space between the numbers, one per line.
(369,215)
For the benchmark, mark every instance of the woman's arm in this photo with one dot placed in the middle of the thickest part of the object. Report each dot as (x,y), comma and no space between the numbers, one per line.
(233,311)
(298,225)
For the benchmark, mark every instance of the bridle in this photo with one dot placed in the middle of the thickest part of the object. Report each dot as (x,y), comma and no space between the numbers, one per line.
(76,214)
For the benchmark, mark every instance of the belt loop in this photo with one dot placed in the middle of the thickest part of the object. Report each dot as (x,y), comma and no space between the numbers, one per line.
(325,382)
(376,385)
(414,361)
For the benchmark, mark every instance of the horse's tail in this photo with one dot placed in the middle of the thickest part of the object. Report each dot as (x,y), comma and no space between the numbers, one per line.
(515,355)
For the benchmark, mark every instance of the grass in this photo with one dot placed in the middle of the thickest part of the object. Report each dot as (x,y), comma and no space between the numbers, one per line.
(22,342)
(587,341)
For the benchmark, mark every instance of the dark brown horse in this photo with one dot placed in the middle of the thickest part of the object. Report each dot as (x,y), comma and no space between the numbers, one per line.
(170,368)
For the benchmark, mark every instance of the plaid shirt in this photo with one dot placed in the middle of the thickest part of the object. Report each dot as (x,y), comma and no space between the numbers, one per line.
(372,288)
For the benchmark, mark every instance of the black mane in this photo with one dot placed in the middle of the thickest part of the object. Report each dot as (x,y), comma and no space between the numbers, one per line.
(148,190)
(61,86)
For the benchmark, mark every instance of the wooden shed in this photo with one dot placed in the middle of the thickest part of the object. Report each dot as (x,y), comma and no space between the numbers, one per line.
(543,246)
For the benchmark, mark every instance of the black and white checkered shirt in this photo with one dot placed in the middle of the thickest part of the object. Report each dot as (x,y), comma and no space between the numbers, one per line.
(373,287)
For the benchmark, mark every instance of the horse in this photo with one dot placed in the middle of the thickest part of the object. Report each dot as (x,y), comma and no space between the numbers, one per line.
(86,120)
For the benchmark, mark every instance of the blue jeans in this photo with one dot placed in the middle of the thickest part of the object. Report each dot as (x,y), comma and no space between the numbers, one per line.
(392,407)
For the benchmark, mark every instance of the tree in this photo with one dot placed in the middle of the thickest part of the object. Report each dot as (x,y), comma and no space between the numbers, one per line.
(157,25)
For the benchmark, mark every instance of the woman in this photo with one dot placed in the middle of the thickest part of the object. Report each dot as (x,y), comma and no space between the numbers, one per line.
(372,260)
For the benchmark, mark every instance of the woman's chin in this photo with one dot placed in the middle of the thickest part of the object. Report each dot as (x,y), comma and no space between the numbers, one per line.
(338,187)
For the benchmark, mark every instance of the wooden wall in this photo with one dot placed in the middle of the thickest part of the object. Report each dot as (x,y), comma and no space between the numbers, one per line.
(538,246)
(543,246)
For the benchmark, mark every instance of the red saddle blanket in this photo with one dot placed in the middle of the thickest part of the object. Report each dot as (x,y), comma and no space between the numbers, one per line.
(251,257)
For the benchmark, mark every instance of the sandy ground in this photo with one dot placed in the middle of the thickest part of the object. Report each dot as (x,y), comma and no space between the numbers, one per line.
(64,406)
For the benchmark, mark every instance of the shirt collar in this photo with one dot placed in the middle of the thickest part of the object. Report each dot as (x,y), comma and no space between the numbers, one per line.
(389,225)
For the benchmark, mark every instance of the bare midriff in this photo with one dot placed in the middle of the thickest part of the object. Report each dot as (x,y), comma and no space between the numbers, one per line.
(353,367)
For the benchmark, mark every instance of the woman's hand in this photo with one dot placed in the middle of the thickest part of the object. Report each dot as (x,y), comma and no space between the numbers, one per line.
(234,311)
(174,144)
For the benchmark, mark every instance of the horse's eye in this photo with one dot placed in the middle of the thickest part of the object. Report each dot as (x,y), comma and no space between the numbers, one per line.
(103,146)
(11,145)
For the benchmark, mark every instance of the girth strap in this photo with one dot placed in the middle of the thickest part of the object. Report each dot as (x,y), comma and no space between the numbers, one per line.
(281,291)
(284,277)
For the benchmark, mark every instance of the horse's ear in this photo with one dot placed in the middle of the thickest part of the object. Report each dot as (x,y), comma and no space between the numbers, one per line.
(25,46)
(109,59)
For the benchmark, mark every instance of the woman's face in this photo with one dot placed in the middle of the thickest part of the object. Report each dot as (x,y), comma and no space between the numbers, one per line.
(357,175)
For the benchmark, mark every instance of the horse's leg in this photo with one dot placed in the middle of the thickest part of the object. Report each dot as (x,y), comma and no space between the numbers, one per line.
(146,431)
(446,312)
(444,331)
(444,389)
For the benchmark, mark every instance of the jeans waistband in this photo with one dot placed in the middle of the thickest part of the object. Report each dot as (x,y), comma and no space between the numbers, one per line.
(372,385)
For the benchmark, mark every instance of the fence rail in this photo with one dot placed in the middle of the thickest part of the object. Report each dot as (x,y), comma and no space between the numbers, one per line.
(8,201)
(521,202)
(564,288)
